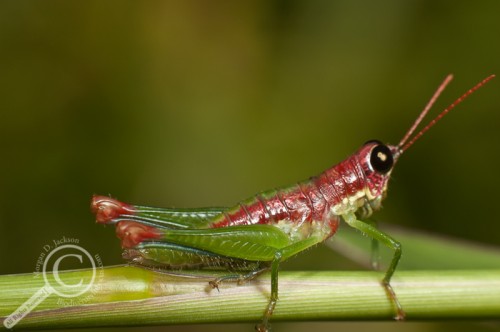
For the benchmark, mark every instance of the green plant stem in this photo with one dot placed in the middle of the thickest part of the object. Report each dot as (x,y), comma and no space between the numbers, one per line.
(126,296)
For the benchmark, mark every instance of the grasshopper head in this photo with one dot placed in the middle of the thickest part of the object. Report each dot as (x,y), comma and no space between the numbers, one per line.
(377,161)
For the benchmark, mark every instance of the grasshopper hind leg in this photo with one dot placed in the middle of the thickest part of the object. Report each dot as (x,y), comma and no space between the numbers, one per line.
(241,278)
(158,256)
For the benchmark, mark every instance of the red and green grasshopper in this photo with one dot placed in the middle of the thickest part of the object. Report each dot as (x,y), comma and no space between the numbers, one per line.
(259,233)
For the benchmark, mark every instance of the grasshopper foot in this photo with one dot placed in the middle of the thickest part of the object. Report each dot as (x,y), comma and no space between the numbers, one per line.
(400,313)
(214,284)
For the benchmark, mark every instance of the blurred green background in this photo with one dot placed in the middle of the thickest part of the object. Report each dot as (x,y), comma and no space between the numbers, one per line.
(200,103)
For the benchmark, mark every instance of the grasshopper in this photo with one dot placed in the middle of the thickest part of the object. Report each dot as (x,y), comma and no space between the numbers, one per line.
(259,233)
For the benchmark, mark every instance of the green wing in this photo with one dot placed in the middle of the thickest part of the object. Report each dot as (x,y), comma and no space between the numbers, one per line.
(173,218)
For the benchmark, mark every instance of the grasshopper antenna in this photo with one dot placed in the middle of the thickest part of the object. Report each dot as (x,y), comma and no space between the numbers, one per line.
(404,145)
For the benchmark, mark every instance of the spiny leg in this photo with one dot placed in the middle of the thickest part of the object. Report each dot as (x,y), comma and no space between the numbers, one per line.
(388,241)
(240,278)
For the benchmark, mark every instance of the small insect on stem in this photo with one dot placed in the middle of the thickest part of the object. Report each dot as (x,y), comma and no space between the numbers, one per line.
(257,234)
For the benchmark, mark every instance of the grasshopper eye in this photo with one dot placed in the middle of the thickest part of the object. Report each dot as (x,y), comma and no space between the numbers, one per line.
(381,159)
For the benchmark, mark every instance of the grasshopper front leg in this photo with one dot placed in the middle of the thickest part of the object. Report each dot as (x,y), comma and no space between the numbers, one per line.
(388,241)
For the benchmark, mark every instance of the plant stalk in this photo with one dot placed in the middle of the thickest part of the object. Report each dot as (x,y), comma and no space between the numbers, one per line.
(129,296)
